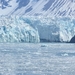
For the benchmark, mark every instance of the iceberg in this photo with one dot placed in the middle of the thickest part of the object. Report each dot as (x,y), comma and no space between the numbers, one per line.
(13,29)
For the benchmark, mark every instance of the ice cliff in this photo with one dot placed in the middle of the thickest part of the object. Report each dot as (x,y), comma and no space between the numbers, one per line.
(12,29)
(36,29)
(53,29)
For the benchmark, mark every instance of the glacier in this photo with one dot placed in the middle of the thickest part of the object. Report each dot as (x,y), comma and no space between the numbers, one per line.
(13,29)
(36,29)
(52,29)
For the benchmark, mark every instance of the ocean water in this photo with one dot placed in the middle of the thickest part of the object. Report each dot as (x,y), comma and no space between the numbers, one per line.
(37,59)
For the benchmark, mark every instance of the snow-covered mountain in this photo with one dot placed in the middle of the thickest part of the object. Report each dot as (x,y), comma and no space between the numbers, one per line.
(38,7)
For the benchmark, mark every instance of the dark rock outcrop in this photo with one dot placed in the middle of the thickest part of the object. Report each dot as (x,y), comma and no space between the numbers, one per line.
(72,40)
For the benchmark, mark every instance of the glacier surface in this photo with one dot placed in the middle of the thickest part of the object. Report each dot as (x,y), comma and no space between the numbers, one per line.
(36,29)
(12,29)
(53,29)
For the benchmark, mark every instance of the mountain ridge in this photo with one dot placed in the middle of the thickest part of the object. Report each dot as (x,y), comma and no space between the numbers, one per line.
(38,7)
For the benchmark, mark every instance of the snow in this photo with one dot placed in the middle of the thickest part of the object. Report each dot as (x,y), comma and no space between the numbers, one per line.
(13,29)
(38,7)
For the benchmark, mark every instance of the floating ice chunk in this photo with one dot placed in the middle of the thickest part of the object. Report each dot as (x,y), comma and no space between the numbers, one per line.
(65,54)
(43,45)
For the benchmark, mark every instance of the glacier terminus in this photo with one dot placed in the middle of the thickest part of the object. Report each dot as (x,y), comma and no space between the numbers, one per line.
(36,29)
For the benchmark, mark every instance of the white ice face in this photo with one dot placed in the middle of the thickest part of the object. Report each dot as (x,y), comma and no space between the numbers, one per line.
(36,29)
(12,29)
(53,29)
